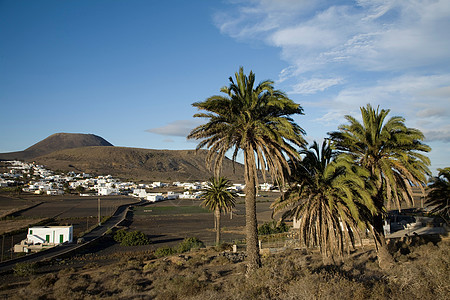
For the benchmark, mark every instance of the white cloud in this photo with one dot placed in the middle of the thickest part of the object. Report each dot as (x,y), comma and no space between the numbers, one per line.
(391,53)
(314,85)
(177,128)
(368,35)
(416,98)
(442,135)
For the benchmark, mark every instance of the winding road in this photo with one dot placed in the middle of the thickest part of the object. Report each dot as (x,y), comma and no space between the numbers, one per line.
(113,221)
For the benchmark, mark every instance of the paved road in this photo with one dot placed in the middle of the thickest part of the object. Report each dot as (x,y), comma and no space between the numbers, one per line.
(118,216)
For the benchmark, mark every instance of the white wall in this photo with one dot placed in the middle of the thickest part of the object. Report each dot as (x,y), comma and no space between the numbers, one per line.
(52,234)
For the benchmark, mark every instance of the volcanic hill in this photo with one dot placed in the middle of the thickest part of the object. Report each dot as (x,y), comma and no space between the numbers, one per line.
(56,142)
(94,155)
(138,164)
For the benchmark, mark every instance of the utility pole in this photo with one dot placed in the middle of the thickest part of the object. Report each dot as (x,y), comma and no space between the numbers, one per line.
(99,217)
(3,247)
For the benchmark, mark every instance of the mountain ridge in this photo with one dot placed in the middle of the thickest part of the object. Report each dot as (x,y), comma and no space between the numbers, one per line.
(138,164)
(56,142)
(93,154)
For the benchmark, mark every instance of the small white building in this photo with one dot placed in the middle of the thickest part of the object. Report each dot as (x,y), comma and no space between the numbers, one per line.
(50,234)
(153,197)
(265,187)
(105,191)
(172,196)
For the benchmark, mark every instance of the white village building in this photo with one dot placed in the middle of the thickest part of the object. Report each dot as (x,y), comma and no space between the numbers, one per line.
(44,237)
(153,197)
(50,234)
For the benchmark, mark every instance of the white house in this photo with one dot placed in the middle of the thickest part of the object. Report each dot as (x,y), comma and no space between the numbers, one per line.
(141,193)
(172,196)
(50,234)
(105,191)
(237,187)
(265,187)
(153,197)
(188,195)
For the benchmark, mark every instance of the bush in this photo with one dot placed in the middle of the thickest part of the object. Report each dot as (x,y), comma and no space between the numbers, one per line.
(119,236)
(135,238)
(190,243)
(132,238)
(25,269)
(164,251)
(272,228)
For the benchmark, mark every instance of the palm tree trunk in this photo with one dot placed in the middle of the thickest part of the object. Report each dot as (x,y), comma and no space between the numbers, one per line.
(253,257)
(217,213)
(385,259)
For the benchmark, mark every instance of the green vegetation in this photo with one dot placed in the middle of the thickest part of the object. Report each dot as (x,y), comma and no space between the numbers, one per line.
(169,210)
(189,243)
(25,269)
(392,154)
(131,238)
(218,198)
(186,245)
(257,120)
(331,199)
(165,251)
(272,228)
(438,197)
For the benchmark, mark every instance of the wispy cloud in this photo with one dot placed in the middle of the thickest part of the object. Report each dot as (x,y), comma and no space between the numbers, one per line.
(391,53)
(314,85)
(177,128)
(370,35)
(442,135)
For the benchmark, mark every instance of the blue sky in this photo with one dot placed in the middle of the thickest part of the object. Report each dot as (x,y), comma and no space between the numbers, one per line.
(129,70)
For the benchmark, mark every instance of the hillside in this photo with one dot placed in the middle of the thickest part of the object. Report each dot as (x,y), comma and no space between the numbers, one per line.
(138,164)
(56,142)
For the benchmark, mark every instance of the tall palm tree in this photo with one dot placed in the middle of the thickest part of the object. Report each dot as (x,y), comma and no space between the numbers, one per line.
(218,198)
(392,153)
(256,120)
(439,195)
(330,198)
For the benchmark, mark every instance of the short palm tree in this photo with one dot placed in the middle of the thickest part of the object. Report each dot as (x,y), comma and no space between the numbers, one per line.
(392,153)
(256,120)
(330,198)
(439,195)
(216,197)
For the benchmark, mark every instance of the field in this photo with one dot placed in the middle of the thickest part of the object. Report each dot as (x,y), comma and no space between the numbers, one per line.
(81,212)
(165,223)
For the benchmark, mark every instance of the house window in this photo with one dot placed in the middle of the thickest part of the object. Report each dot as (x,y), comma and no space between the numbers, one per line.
(47,238)
(31,231)
(61,238)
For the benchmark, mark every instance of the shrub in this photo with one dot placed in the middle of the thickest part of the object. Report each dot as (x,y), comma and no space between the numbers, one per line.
(224,247)
(134,238)
(272,227)
(25,269)
(164,251)
(120,235)
(190,243)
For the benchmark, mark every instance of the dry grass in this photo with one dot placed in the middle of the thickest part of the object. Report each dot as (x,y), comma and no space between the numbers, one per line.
(421,272)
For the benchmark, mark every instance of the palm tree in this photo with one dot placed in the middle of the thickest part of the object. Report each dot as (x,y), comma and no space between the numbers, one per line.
(216,197)
(439,194)
(256,120)
(330,198)
(391,152)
